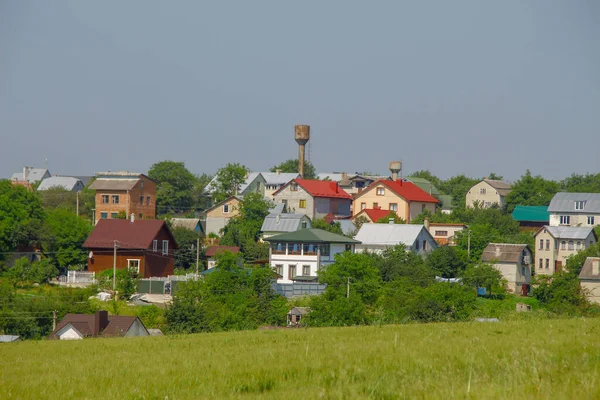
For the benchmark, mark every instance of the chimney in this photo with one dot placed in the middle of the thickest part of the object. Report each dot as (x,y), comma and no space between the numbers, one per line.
(277,171)
(395,167)
(132,218)
(277,218)
(426,223)
(301,135)
(497,251)
(100,322)
(26,172)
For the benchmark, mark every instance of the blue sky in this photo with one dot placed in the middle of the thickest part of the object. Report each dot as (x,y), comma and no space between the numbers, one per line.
(454,87)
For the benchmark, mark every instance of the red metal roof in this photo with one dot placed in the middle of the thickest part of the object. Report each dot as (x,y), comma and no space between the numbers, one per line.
(130,235)
(408,190)
(375,214)
(323,188)
(211,251)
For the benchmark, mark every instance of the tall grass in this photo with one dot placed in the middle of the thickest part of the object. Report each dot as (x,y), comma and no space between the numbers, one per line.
(552,359)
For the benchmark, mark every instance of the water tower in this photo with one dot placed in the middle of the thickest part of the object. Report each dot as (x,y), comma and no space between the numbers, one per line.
(302,135)
(395,167)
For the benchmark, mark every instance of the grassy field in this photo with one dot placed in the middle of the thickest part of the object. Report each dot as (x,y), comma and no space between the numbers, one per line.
(552,359)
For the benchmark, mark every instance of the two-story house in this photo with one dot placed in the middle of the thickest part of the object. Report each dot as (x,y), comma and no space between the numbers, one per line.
(124,192)
(513,261)
(406,199)
(487,193)
(314,198)
(299,255)
(144,246)
(276,180)
(219,215)
(554,244)
(575,209)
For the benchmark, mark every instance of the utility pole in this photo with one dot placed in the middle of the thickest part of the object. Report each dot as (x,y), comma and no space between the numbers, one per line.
(115,247)
(348,288)
(469,244)
(197,257)
(77,206)
(53,320)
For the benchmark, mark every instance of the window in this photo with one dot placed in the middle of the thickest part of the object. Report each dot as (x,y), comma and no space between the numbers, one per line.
(114,215)
(294,187)
(309,249)
(571,245)
(422,207)
(417,245)
(393,206)
(591,220)
(155,246)
(523,271)
(105,199)
(115,199)
(304,225)
(375,206)
(277,248)
(325,248)
(441,233)
(147,200)
(565,219)
(302,204)
(541,264)
(104,215)
(294,248)
(578,245)
(225,208)
(306,270)
(133,266)
(547,244)
(279,269)
(165,247)
(348,247)
(140,216)
(141,200)
(482,190)
(547,263)
(579,205)
(363,206)
(291,271)
(359,185)
(424,244)
(380,191)
(142,184)
(563,245)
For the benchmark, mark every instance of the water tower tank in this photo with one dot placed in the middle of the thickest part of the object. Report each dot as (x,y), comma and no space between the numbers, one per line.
(302,133)
(395,167)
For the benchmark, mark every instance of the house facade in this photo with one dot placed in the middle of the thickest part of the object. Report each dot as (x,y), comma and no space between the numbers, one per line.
(589,278)
(554,244)
(143,246)
(406,199)
(299,255)
(315,199)
(575,209)
(219,215)
(514,261)
(487,193)
(80,326)
(124,192)
(378,237)
(444,234)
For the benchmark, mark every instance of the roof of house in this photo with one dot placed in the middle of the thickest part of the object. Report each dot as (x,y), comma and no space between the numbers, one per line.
(425,185)
(316,188)
(407,190)
(568,232)
(565,202)
(503,188)
(282,222)
(130,235)
(389,234)
(212,251)
(330,176)
(252,176)
(33,175)
(281,178)
(188,223)
(299,311)
(587,271)
(227,200)
(118,325)
(374,214)
(64,182)
(531,213)
(503,252)
(8,338)
(312,235)
(347,226)
(114,184)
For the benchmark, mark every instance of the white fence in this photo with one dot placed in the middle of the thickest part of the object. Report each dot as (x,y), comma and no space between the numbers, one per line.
(81,277)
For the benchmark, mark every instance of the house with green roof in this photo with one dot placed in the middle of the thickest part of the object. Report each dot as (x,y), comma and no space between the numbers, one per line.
(427,186)
(298,256)
(531,216)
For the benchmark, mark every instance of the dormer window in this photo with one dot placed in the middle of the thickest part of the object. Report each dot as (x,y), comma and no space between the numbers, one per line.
(380,191)
(294,187)
(579,205)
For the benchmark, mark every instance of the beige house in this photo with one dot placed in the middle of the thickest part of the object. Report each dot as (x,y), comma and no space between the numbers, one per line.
(487,193)
(575,209)
(444,234)
(513,261)
(589,278)
(219,215)
(554,244)
(405,198)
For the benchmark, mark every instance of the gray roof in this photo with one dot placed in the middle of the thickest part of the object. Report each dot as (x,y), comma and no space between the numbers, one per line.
(347,226)
(274,178)
(299,311)
(64,182)
(252,176)
(565,202)
(284,222)
(503,252)
(114,184)
(188,223)
(569,232)
(587,271)
(8,338)
(501,187)
(33,175)
(332,176)
(389,234)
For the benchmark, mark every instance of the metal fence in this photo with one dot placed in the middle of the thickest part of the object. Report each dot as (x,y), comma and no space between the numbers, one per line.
(163,285)
(81,277)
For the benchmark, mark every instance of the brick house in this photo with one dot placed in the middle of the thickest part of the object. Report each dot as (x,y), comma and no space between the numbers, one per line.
(124,192)
(314,198)
(145,246)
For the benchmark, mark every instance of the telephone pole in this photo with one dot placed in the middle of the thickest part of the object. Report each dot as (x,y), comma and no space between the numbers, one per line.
(77,206)
(348,288)
(197,257)
(469,244)
(115,247)
(53,320)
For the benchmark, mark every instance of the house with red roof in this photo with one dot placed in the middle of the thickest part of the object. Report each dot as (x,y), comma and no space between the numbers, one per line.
(146,247)
(100,324)
(372,215)
(405,198)
(314,198)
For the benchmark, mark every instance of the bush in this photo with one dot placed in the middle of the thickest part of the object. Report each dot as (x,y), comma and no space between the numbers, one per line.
(561,293)
(25,272)
(126,282)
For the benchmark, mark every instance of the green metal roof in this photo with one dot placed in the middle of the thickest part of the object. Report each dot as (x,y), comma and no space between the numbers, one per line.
(531,213)
(446,201)
(311,236)
(425,185)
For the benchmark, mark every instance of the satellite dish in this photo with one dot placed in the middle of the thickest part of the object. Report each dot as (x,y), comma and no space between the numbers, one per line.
(91,255)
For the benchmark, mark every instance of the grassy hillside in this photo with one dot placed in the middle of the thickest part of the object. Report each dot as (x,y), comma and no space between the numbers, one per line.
(517,359)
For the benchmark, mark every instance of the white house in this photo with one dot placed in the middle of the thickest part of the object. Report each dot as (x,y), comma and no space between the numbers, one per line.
(378,237)
(575,209)
(513,261)
(299,255)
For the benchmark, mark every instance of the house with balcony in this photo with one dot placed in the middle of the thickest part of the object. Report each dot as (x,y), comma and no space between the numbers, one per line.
(406,199)
(513,261)
(487,193)
(298,256)
(575,209)
(314,198)
(126,193)
(554,244)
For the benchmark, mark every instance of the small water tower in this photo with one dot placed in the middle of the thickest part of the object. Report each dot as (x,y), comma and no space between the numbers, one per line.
(395,168)
(302,135)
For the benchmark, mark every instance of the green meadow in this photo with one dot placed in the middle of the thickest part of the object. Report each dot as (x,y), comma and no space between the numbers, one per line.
(546,359)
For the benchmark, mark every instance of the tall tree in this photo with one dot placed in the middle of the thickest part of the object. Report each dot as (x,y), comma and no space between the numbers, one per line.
(588,183)
(531,191)
(457,187)
(187,240)
(65,235)
(291,166)
(201,197)
(175,186)
(425,174)
(228,181)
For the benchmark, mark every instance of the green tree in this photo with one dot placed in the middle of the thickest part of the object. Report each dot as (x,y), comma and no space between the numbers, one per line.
(392,215)
(531,191)
(426,174)
(333,227)
(174,186)
(588,183)
(65,236)
(291,166)
(495,177)
(560,293)
(457,187)
(448,261)
(58,197)
(201,197)
(187,240)
(484,275)
(228,181)
(575,261)
(25,272)
(398,263)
